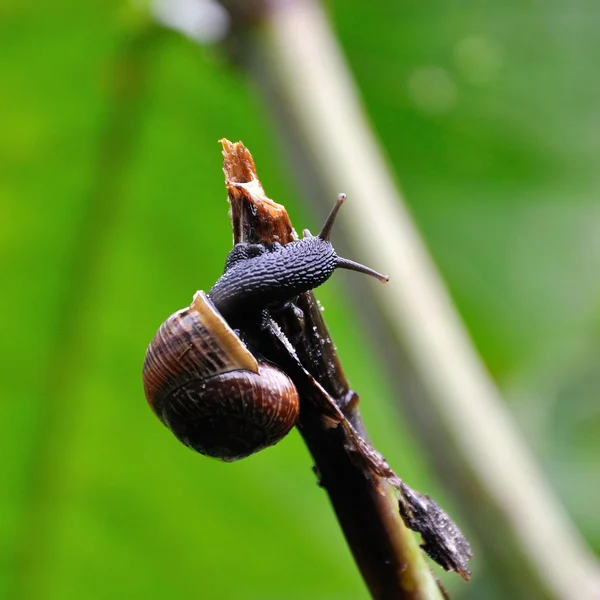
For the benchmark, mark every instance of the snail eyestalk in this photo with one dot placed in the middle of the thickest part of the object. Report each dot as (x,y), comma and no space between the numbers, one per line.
(344,263)
(326,231)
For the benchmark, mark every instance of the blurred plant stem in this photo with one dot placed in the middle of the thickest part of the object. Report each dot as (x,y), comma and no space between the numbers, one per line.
(58,411)
(530,545)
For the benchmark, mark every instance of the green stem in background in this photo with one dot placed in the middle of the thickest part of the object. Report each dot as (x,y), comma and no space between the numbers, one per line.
(44,493)
(530,544)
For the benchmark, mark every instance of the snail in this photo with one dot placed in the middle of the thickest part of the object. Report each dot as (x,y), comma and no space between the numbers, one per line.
(202,376)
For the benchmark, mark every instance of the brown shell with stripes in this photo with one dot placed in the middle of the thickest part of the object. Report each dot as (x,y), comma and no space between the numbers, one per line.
(206,386)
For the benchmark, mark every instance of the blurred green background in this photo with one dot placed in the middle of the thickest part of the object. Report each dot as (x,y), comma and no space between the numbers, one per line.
(113,212)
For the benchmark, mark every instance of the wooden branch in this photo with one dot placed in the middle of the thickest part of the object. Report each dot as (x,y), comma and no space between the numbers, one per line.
(367,508)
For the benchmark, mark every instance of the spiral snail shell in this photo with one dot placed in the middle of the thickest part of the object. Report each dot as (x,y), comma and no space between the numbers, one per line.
(200,378)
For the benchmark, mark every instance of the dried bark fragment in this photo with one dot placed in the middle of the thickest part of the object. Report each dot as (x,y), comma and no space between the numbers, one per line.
(442,540)
(255,218)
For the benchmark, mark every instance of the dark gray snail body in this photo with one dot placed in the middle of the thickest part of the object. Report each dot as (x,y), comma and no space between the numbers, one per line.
(200,378)
(271,276)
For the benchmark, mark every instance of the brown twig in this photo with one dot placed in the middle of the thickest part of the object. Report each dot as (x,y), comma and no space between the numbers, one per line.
(355,478)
